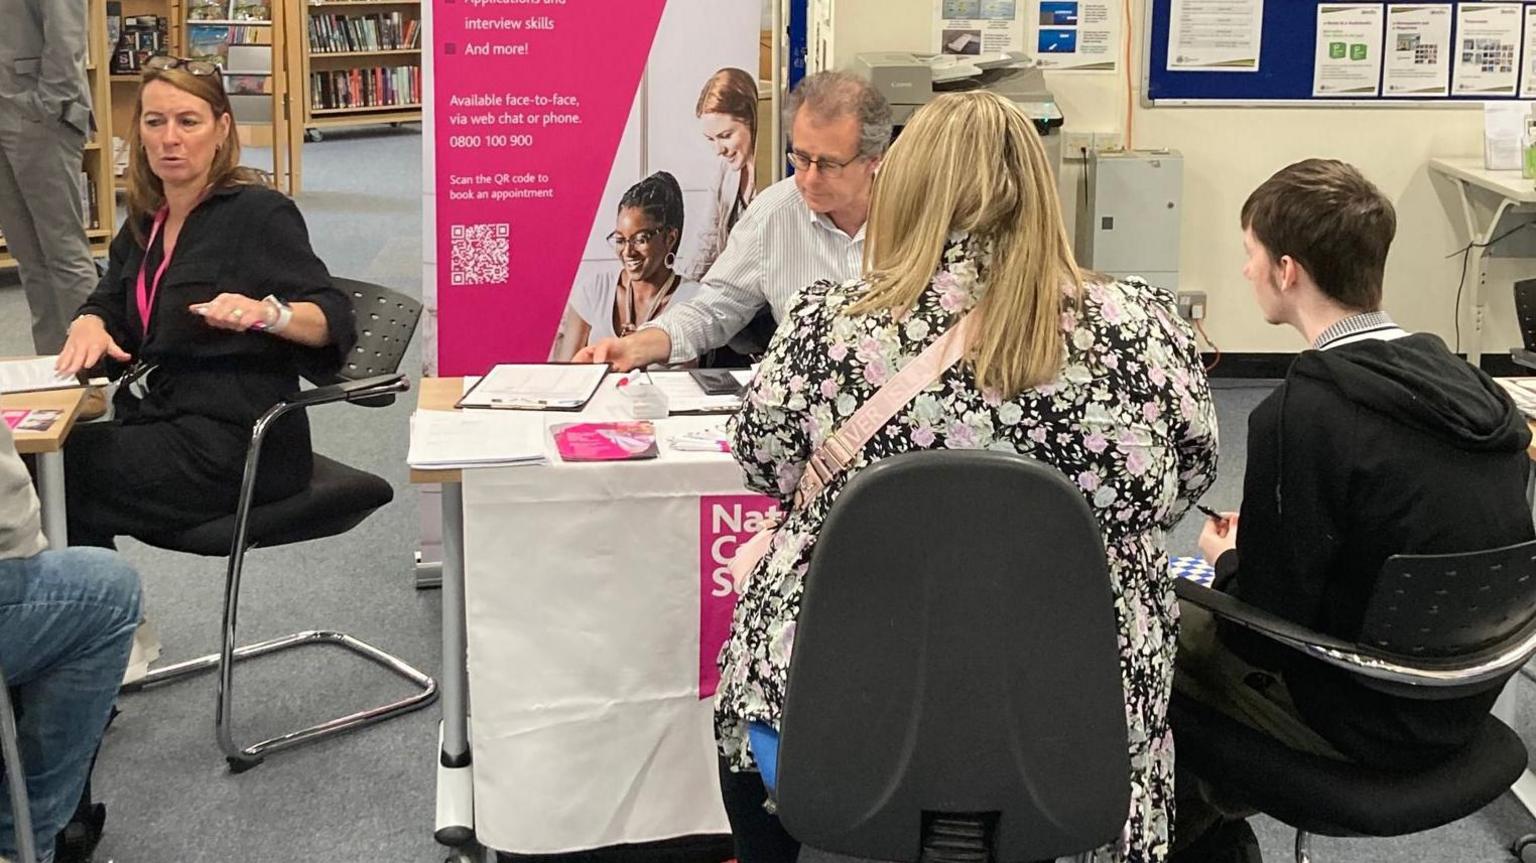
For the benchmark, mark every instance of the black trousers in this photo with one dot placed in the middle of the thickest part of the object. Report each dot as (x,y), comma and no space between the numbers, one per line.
(758,835)
(143,479)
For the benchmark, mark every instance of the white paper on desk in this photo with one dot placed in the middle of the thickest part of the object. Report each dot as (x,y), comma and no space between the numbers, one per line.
(1522,391)
(33,375)
(553,385)
(684,395)
(1503,126)
(466,439)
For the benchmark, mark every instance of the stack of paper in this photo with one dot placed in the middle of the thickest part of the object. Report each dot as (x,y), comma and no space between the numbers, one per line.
(32,375)
(465,439)
(1522,391)
(685,397)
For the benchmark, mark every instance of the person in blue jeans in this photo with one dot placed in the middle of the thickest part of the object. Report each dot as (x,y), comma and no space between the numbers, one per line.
(67,620)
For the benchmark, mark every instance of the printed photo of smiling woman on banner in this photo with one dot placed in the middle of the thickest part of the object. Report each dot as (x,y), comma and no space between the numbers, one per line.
(588,171)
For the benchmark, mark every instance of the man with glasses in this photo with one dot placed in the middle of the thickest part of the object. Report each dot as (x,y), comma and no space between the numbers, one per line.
(798,231)
(45,116)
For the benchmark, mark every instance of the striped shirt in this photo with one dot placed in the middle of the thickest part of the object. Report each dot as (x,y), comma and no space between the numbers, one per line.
(1359,328)
(778,248)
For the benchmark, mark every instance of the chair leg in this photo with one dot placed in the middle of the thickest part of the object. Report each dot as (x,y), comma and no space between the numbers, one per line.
(15,779)
(1303,847)
(243,758)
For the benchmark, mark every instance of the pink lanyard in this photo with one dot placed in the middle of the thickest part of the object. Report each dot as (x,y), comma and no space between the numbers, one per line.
(147,297)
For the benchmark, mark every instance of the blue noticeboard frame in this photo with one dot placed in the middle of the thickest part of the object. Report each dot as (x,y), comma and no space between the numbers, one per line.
(1285,69)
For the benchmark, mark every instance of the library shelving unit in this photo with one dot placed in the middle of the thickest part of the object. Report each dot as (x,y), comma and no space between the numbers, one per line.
(96,168)
(248,39)
(123,84)
(361,62)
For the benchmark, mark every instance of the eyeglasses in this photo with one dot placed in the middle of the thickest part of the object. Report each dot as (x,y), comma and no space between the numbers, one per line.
(826,167)
(162,62)
(641,239)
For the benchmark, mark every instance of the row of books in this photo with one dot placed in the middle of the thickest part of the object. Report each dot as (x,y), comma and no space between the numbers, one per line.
(88,202)
(365,88)
(229,10)
(134,38)
(330,34)
(211,41)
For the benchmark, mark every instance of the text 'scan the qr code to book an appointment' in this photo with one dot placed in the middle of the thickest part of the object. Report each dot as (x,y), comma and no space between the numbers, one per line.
(480,254)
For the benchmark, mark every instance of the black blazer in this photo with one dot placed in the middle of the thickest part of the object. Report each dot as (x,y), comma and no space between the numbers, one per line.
(241,239)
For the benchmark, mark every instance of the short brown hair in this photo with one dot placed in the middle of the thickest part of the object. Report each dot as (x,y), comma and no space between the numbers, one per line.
(1329,218)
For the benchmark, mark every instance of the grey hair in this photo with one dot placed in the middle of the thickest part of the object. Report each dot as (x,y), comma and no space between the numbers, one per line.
(835,95)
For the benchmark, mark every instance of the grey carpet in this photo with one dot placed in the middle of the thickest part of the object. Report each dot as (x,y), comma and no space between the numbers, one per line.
(369,796)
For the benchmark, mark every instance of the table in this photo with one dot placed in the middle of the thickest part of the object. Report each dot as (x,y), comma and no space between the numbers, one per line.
(48,447)
(590,632)
(1493,205)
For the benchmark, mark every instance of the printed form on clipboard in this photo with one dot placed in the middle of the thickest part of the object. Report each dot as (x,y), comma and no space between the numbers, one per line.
(536,386)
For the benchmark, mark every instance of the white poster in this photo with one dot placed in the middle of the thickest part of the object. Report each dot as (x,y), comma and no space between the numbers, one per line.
(1347,57)
(1528,73)
(1418,50)
(971,27)
(1075,35)
(1487,49)
(1215,35)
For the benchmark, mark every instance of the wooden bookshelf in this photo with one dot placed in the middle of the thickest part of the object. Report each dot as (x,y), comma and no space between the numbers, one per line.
(97,162)
(340,37)
(124,87)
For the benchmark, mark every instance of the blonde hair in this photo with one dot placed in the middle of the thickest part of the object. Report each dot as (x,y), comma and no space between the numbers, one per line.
(146,192)
(972,162)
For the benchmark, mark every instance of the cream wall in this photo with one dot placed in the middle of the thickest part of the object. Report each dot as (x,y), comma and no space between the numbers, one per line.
(1228,151)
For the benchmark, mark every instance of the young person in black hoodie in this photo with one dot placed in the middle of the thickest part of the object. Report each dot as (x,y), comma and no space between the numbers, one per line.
(1378,442)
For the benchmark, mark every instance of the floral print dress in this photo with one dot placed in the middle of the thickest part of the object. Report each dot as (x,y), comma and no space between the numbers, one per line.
(1129,420)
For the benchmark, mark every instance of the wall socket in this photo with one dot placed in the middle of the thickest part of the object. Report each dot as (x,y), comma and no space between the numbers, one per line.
(1074,142)
(1192,305)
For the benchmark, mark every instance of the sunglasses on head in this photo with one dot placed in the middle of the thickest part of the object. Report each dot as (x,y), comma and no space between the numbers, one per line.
(161,63)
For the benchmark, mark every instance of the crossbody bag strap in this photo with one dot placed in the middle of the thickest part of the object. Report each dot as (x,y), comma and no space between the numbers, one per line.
(843,445)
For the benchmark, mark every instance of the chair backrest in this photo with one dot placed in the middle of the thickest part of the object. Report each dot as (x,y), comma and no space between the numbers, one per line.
(1455,608)
(386,319)
(15,778)
(956,667)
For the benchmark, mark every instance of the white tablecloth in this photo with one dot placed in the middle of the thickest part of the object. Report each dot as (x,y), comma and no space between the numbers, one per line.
(596,600)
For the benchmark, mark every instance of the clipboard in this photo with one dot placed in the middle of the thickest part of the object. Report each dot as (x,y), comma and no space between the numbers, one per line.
(535,387)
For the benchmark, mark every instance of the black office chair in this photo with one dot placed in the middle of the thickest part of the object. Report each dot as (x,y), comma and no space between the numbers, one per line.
(338,498)
(956,690)
(1437,627)
(15,778)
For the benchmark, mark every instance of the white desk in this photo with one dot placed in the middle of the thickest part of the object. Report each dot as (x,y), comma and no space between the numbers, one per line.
(582,596)
(1492,204)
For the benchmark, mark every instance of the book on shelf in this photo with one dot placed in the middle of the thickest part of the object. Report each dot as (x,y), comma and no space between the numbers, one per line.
(376,87)
(114,21)
(209,42)
(335,34)
(207,10)
(88,202)
(142,37)
(250,10)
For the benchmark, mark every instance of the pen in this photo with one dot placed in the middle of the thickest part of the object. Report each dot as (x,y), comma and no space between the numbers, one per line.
(629,378)
(1210,512)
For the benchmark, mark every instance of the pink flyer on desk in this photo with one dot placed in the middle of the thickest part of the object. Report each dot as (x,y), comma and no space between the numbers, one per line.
(611,441)
(13,418)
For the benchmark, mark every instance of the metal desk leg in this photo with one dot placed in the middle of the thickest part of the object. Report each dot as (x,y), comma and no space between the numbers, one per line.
(50,493)
(455,776)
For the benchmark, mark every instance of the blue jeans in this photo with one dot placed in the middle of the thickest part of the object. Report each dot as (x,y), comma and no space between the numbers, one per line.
(67,620)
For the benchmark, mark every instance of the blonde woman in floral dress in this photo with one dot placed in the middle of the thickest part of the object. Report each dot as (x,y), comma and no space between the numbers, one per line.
(1096,377)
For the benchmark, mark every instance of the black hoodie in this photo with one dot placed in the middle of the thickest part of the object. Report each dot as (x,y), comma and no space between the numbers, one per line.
(1367,450)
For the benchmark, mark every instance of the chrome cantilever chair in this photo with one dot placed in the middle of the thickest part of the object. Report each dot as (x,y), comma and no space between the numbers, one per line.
(338,498)
(15,778)
(956,690)
(1437,627)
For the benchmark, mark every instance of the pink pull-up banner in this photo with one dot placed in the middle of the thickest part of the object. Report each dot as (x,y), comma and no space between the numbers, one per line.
(545,114)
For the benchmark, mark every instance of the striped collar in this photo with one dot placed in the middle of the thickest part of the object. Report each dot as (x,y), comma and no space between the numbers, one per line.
(1366,325)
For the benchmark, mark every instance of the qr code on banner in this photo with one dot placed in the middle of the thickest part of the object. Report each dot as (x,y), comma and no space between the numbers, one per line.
(480,254)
